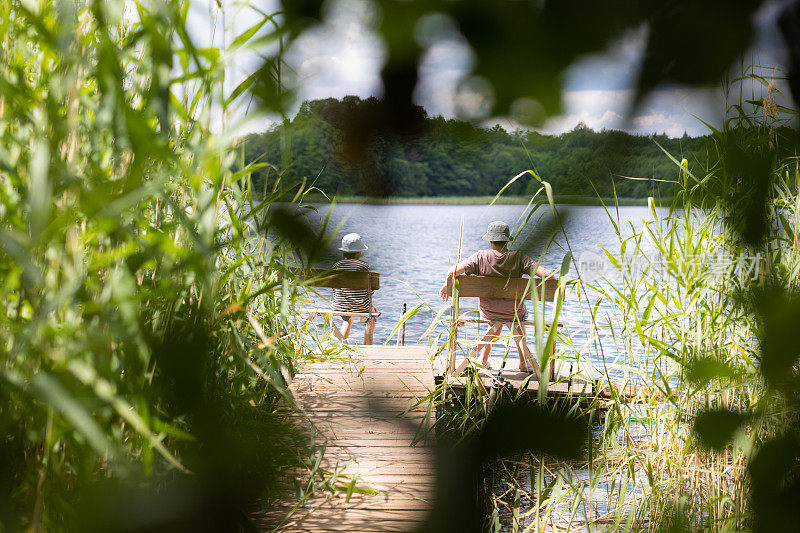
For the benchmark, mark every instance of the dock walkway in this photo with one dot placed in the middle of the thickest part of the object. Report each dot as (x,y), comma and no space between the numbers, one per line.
(364,411)
(360,408)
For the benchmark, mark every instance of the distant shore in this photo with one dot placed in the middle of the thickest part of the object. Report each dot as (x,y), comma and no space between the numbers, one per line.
(481,200)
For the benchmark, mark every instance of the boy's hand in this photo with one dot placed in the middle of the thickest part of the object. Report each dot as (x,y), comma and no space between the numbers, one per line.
(443,293)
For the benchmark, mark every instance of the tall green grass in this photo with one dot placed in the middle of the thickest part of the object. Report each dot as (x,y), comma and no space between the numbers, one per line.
(147,336)
(697,327)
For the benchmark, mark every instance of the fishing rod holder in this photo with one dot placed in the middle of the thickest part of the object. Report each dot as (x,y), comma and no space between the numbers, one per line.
(499,382)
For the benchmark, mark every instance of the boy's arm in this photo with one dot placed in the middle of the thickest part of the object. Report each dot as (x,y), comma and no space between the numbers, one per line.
(456,270)
(542,272)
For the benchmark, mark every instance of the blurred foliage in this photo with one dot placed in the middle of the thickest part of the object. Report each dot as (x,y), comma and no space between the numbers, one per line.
(523,48)
(147,342)
(715,306)
(691,43)
(147,339)
(702,327)
(512,428)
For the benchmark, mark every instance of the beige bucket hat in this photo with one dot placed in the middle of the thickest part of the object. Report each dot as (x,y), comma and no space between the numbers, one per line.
(497,231)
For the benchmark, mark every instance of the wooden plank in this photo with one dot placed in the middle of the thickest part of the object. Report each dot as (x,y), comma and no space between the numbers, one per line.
(370,433)
(373,443)
(344,513)
(376,400)
(393,365)
(504,288)
(378,457)
(356,376)
(388,359)
(517,382)
(410,451)
(387,365)
(320,311)
(382,371)
(377,461)
(363,382)
(373,471)
(366,410)
(399,502)
(364,385)
(421,463)
(475,320)
(340,279)
(338,510)
(392,413)
(387,408)
(309,398)
(368,523)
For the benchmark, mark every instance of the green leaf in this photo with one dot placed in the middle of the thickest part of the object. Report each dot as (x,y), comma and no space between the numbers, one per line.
(701,370)
(716,427)
(245,36)
(50,390)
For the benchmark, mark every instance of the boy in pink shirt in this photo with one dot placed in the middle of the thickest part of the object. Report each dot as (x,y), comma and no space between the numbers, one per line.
(499,261)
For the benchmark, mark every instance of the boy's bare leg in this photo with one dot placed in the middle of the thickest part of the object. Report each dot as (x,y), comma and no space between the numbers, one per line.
(345,332)
(329,321)
(485,346)
(526,359)
(369,329)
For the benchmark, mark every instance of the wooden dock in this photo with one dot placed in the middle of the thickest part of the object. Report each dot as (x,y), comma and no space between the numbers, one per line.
(362,408)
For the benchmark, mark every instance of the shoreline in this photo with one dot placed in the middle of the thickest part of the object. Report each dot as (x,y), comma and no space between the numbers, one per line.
(481,200)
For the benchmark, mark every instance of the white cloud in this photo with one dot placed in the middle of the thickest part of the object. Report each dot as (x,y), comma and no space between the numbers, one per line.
(598,109)
(339,57)
(616,67)
(445,64)
(649,121)
(672,111)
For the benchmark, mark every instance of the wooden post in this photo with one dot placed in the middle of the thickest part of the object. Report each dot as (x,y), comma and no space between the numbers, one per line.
(369,325)
(403,327)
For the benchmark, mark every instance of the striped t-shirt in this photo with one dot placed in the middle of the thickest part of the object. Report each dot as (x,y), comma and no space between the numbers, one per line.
(352,300)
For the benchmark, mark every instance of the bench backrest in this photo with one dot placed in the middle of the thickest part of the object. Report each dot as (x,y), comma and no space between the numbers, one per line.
(340,279)
(502,287)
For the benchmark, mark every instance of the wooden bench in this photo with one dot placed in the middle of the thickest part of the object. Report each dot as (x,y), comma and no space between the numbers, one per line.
(341,279)
(498,287)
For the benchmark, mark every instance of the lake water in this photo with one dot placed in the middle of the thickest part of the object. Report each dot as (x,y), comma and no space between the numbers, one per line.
(412,247)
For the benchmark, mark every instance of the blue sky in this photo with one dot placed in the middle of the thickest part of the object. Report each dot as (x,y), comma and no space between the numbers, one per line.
(344,55)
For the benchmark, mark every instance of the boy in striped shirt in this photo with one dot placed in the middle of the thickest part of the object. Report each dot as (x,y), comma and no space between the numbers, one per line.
(353,300)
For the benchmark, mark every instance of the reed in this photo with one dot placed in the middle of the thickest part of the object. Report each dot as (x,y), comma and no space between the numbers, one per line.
(688,332)
(147,337)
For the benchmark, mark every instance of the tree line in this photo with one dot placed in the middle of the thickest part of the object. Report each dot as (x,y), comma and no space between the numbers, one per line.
(456,158)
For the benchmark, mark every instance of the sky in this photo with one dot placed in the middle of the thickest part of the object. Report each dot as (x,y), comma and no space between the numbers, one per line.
(344,55)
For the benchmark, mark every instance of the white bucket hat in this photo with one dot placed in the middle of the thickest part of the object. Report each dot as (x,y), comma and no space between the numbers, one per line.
(352,243)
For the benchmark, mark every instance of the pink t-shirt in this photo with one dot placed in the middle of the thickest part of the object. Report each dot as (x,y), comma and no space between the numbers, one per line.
(512,263)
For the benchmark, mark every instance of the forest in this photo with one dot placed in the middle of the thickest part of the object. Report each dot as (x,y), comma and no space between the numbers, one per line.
(455,158)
